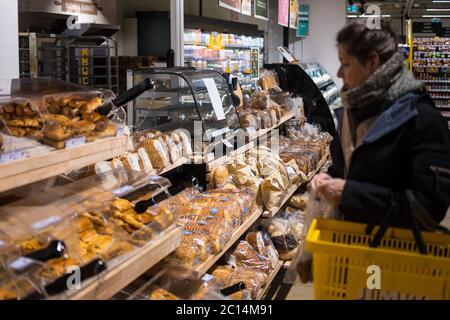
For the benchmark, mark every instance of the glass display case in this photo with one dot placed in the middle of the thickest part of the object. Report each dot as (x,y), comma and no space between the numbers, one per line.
(199,101)
(88,224)
(46,111)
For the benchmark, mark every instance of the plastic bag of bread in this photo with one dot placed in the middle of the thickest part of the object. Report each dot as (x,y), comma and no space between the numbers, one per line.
(185,138)
(259,100)
(294,173)
(174,147)
(246,200)
(220,206)
(266,119)
(256,240)
(301,160)
(157,153)
(299,201)
(224,274)
(217,231)
(245,255)
(244,178)
(272,191)
(254,280)
(269,166)
(221,177)
(249,120)
(193,249)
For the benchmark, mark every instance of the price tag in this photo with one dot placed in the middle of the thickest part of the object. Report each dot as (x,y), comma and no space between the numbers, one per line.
(134,162)
(273,256)
(13,156)
(260,242)
(45,223)
(291,172)
(75,142)
(21,264)
(120,131)
(2,243)
(227,143)
(207,277)
(122,190)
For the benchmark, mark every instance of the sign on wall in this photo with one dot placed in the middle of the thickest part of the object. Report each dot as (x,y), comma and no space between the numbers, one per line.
(234,5)
(293,20)
(262,9)
(303,21)
(75,6)
(283,13)
(247,7)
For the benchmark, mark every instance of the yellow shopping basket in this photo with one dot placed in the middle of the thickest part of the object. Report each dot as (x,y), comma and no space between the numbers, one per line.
(343,263)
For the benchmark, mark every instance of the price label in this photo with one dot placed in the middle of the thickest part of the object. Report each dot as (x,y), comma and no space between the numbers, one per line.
(45,223)
(2,243)
(75,142)
(273,256)
(260,242)
(120,131)
(291,172)
(207,277)
(21,264)
(13,156)
(134,162)
(122,190)
(227,143)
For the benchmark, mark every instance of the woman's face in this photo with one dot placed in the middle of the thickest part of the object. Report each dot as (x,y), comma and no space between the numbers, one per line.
(352,72)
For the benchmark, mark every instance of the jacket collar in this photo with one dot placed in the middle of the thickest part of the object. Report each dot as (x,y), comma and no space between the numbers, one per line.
(394,117)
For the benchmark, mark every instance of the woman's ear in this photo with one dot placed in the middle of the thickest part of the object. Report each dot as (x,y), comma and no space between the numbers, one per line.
(373,62)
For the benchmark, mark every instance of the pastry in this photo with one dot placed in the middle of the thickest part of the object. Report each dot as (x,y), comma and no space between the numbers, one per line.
(91,105)
(31,245)
(83,126)
(84,223)
(57,267)
(224,274)
(161,294)
(15,131)
(121,205)
(58,118)
(221,175)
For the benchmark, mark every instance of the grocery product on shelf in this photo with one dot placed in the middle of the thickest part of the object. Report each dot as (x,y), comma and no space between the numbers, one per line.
(90,223)
(174,282)
(431,57)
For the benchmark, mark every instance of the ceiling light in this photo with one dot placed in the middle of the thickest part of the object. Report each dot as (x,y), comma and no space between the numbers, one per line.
(435,16)
(438,9)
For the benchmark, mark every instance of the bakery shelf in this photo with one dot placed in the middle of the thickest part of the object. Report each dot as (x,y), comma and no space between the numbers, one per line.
(48,164)
(274,273)
(291,190)
(205,266)
(109,284)
(214,163)
(435,81)
(262,132)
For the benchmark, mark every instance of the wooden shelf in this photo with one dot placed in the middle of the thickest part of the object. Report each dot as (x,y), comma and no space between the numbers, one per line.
(274,273)
(52,163)
(291,190)
(225,159)
(205,266)
(107,285)
(262,132)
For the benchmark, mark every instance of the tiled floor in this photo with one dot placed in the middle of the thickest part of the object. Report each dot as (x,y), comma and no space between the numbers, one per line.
(306,291)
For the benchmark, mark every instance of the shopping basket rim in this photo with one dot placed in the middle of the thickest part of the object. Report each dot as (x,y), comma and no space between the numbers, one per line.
(315,245)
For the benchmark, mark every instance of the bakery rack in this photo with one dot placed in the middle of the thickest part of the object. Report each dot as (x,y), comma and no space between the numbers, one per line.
(262,293)
(205,266)
(294,188)
(131,268)
(49,162)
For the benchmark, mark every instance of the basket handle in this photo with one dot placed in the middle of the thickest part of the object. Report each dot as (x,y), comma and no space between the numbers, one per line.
(386,222)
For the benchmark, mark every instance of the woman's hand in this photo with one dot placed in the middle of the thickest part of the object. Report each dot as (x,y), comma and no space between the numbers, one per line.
(318,181)
(332,190)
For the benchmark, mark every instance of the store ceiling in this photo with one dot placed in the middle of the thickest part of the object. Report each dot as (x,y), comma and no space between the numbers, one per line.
(416,8)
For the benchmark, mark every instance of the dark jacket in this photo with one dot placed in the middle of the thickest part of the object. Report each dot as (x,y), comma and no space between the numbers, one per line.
(396,155)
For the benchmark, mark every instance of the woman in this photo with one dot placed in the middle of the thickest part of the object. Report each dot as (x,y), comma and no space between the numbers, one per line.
(391,139)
